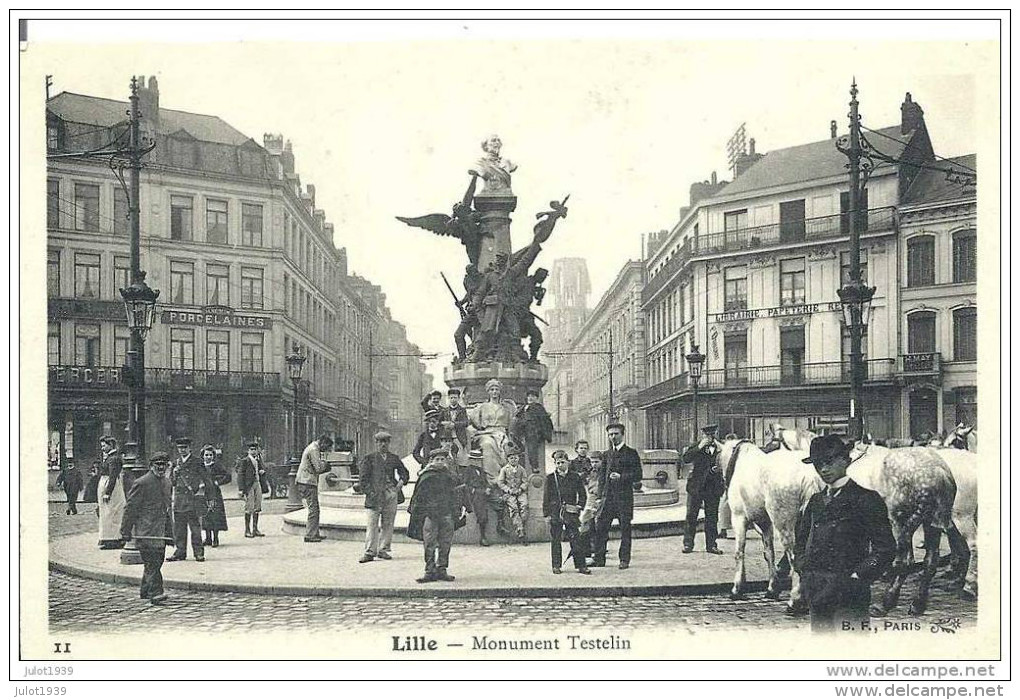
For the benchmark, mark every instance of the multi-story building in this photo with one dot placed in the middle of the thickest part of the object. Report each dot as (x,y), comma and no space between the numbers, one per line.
(569,289)
(749,274)
(938,296)
(247,269)
(616,323)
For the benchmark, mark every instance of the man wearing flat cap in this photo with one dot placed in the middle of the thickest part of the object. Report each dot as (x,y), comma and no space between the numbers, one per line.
(429,438)
(382,478)
(843,542)
(192,484)
(456,413)
(147,519)
(434,510)
(705,488)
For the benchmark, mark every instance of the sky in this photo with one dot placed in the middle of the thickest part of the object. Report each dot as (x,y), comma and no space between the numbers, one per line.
(390,127)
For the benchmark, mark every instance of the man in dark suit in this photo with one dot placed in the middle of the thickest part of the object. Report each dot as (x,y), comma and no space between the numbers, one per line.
(252,484)
(147,519)
(843,542)
(534,428)
(621,469)
(429,438)
(382,477)
(191,483)
(705,487)
(435,510)
(456,413)
(562,502)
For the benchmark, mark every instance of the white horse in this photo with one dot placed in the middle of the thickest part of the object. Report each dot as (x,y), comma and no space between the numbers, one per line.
(963,464)
(920,490)
(767,492)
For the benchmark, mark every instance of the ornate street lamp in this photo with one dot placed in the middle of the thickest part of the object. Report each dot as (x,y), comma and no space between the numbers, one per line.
(140,307)
(295,363)
(695,363)
(855,297)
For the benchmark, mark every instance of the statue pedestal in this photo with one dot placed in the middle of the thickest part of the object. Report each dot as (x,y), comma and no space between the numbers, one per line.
(494,219)
(517,378)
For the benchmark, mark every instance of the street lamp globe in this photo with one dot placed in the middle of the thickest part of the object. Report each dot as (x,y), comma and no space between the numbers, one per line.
(295,363)
(695,362)
(140,305)
(855,298)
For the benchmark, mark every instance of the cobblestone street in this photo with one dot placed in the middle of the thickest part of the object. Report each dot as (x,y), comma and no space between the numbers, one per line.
(78,604)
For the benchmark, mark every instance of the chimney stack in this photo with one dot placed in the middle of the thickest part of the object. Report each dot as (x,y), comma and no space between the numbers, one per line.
(911,116)
(273,143)
(832,129)
(714,179)
(751,142)
(148,104)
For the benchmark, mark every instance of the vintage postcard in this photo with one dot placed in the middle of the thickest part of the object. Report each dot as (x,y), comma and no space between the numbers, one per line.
(512,340)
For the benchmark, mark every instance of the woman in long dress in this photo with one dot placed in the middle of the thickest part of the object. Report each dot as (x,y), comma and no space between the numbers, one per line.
(492,421)
(111,494)
(215,520)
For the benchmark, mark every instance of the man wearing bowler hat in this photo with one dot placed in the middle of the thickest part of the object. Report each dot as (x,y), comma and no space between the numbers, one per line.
(191,483)
(147,520)
(843,542)
(705,487)
(382,478)
(620,470)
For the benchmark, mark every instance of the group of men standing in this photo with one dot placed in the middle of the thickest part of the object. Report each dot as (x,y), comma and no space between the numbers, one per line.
(174,502)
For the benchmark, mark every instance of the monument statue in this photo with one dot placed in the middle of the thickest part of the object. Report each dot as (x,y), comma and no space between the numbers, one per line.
(495,310)
(491,420)
(462,225)
(495,171)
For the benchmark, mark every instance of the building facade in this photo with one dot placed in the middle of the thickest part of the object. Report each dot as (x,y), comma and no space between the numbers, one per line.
(612,337)
(749,276)
(938,300)
(246,267)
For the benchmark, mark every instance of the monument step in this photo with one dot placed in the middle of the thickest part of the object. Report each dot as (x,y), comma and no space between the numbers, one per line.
(348,500)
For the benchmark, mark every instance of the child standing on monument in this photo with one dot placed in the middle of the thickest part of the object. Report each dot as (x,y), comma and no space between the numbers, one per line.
(513,482)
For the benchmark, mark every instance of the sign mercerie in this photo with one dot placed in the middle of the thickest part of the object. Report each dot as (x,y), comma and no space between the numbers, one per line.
(777,311)
(217,318)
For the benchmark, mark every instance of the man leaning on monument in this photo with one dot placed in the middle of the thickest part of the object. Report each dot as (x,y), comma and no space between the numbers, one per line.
(843,542)
(313,465)
(382,477)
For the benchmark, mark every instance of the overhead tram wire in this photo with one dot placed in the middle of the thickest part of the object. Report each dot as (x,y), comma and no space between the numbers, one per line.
(949,172)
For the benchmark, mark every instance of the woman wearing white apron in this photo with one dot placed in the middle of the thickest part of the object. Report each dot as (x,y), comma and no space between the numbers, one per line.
(111,494)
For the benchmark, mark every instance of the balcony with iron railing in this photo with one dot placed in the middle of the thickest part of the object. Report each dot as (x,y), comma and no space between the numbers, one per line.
(802,375)
(797,231)
(667,271)
(755,237)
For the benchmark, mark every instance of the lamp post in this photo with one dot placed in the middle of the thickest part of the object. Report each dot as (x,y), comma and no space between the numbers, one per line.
(140,308)
(695,364)
(854,296)
(295,363)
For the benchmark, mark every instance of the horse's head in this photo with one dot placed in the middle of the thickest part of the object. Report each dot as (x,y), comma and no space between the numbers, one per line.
(960,437)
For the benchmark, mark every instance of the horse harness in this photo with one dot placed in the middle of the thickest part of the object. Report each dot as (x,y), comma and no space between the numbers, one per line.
(731,465)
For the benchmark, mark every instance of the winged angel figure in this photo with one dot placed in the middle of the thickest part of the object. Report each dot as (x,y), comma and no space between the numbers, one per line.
(462,224)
